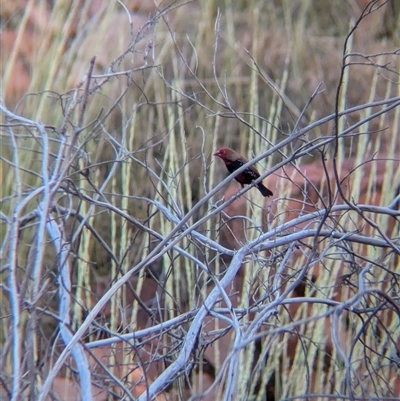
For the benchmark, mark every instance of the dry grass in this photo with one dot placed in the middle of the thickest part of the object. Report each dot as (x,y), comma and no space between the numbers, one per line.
(107,131)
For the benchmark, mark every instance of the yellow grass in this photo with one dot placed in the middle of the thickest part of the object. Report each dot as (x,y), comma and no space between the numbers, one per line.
(237,77)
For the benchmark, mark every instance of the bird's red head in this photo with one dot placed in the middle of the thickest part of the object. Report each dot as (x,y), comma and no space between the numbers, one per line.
(223,153)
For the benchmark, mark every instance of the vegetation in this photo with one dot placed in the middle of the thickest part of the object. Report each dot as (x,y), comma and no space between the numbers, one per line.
(126,265)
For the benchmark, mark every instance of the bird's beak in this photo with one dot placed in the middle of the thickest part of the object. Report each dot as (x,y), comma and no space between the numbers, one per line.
(216,154)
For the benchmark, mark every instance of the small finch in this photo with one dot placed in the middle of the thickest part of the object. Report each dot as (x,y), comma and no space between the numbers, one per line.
(233,161)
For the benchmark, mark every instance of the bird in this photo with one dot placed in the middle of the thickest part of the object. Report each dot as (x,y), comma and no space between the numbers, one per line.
(233,160)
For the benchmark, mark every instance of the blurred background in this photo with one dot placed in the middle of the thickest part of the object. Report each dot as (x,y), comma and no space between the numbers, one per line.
(170,82)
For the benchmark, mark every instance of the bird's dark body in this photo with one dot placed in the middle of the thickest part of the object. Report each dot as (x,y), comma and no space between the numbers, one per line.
(233,161)
(245,177)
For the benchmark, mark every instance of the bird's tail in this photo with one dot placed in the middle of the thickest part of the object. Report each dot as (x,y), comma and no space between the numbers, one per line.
(264,190)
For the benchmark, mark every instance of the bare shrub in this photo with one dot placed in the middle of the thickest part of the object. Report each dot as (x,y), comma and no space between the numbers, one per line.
(129,271)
